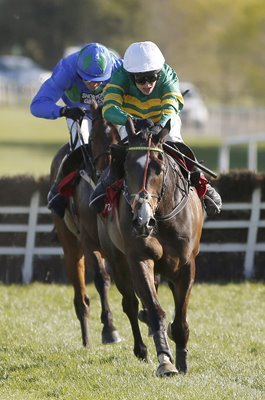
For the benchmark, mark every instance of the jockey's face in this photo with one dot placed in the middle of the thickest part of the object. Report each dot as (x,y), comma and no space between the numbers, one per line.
(92,85)
(146,82)
(146,88)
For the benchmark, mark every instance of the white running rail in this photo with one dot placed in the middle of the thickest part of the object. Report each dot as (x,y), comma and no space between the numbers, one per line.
(32,227)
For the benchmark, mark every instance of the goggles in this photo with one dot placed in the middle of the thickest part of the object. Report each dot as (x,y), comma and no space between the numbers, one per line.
(87,81)
(141,80)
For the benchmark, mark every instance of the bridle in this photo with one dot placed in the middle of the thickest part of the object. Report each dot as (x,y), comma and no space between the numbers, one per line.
(143,196)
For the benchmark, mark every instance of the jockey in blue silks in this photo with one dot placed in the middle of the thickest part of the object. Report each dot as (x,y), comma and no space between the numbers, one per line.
(77,80)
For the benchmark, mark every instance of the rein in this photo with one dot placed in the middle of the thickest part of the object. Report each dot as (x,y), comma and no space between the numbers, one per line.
(179,207)
(86,156)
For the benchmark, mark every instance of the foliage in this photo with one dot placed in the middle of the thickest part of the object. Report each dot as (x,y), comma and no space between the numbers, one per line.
(42,358)
(43,29)
(216,44)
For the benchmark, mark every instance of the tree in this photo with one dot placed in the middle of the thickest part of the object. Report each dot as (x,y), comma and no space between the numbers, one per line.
(42,29)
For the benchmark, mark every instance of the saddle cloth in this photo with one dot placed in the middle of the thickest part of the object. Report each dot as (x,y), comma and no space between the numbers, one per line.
(112,198)
(67,184)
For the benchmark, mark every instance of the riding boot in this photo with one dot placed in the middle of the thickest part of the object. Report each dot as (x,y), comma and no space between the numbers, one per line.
(57,202)
(211,200)
(98,197)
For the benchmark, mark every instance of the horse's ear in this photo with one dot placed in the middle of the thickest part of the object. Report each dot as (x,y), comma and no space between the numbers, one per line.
(130,127)
(165,131)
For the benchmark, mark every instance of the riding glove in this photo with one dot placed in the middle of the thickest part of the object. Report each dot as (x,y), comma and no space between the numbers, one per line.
(140,124)
(156,129)
(75,113)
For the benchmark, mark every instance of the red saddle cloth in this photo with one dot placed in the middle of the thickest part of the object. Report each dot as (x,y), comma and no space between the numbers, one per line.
(66,185)
(202,186)
(112,198)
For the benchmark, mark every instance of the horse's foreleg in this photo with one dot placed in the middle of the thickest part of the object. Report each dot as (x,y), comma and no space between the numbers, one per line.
(102,282)
(122,278)
(143,313)
(178,330)
(76,274)
(143,278)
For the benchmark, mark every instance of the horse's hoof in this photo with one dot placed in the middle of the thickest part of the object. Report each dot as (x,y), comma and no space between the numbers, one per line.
(111,337)
(166,369)
(182,360)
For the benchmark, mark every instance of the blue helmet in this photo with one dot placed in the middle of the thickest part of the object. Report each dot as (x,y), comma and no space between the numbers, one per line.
(94,63)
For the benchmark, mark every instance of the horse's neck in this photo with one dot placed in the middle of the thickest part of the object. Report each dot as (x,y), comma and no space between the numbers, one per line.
(175,185)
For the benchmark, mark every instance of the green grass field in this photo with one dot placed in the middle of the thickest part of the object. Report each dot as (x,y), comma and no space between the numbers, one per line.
(42,357)
(28,144)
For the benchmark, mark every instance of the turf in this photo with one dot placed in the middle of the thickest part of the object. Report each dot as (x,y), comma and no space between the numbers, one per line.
(42,357)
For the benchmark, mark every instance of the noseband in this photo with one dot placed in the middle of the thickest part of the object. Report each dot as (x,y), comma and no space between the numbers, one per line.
(143,196)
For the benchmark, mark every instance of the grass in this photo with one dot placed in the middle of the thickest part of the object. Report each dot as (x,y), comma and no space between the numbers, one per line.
(42,358)
(28,144)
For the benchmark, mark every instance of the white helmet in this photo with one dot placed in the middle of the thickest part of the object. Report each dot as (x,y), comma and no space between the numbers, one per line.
(143,57)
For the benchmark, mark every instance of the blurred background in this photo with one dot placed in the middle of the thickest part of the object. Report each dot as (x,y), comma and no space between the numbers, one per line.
(215,47)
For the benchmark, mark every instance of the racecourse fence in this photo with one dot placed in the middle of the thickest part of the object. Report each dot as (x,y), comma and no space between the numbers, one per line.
(254,243)
(252,146)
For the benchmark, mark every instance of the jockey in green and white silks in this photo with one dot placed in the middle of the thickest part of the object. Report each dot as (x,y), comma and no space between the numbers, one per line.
(145,87)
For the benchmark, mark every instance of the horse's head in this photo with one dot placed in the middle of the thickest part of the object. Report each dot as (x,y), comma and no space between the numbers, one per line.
(102,135)
(144,175)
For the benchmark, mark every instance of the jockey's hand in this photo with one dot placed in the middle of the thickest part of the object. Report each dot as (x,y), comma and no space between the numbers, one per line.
(140,124)
(156,129)
(75,113)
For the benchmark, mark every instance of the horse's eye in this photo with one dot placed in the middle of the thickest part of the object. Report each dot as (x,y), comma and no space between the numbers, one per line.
(158,168)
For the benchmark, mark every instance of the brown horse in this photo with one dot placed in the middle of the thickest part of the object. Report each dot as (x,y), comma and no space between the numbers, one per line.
(77,232)
(156,229)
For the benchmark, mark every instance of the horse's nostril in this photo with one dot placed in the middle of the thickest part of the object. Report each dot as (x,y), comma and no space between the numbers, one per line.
(151,223)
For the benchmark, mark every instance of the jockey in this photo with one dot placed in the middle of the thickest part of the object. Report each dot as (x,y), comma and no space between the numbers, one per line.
(145,88)
(77,80)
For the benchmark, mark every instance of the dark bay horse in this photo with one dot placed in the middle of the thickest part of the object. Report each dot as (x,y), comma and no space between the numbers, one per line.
(77,232)
(156,229)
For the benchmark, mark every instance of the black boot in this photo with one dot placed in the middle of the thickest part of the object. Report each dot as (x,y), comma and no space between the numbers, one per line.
(97,198)
(212,201)
(56,202)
